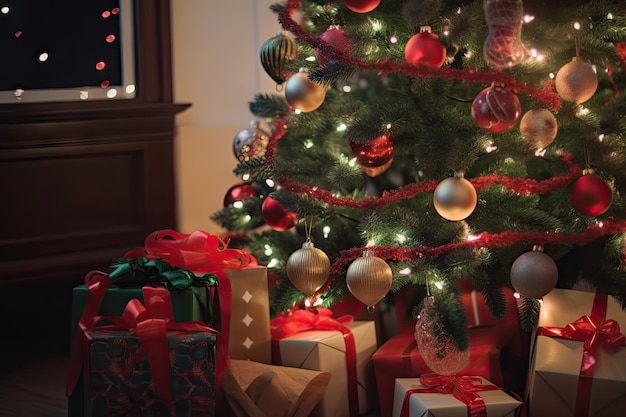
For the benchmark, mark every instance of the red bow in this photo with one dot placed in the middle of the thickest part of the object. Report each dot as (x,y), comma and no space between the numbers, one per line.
(463,388)
(198,252)
(319,319)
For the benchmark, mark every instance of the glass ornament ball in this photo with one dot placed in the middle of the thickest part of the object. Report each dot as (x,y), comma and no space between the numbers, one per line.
(238,192)
(361,6)
(275,53)
(276,215)
(250,143)
(308,268)
(374,153)
(455,198)
(576,81)
(437,348)
(303,94)
(425,48)
(369,279)
(336,38)
(538,127)
(534,274)
(591,195)
(496,109)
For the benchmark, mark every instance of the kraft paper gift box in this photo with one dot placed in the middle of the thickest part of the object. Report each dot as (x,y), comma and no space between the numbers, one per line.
(325,350)
(556,362)
(249,329)
(497,402)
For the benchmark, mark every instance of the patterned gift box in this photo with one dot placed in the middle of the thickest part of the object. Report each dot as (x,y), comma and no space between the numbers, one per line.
(431,403)
(325,350)
(563,371)
(118,384)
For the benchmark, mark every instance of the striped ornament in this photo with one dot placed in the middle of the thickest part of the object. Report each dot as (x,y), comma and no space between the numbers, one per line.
(275,52)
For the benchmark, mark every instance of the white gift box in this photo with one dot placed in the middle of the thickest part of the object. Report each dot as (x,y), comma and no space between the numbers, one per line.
(555,363)
(497,402)
(325,350)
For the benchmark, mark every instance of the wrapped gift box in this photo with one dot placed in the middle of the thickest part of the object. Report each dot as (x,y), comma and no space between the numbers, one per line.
(400,358)
(119,385)
(497,402)
(249,329)
(189,304)
(556,363)
(325,350)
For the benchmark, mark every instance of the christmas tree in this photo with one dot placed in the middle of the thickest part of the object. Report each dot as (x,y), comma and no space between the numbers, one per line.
(426,143)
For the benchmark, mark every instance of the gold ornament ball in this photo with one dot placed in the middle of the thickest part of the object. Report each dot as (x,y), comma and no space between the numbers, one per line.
(308,268)
(534,274)
(369,279)
(576,81)
(539,127)
(455,198)
(303,94)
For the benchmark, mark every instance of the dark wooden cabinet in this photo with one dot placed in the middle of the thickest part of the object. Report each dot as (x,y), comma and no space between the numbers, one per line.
(83,182)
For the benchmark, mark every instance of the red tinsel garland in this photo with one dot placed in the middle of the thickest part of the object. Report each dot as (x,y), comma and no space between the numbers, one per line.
(546,95)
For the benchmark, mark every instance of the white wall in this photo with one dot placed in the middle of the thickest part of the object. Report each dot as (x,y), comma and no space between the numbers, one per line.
(216,67)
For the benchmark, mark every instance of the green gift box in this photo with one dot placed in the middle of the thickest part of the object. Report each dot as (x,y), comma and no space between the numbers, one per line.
(189,304)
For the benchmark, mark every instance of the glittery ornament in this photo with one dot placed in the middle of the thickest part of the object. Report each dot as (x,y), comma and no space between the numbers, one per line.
(591,195)
(361,6)
(496,109)
(308,268)
(425,48)
(576,81)
(250,143)
(276,215)
(538,127)
(534,274)
(437,348)
(369,279)
(303,94)
(374,154)
(275,53)
(336,38)
(503,47)
(455,198)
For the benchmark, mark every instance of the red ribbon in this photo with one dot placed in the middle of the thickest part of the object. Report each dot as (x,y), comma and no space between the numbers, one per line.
(463,388)
(594,331)
(151,323)
(200,252)
(319,319)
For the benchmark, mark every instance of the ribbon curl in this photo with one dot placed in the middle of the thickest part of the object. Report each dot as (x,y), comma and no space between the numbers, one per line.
(298,321)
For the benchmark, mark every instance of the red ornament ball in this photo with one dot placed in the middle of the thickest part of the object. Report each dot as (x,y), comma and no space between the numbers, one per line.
(425,48)
(374,153)
(337,39)
(238,192)
(591,195)
(496,109)
(361,6)
(276,215)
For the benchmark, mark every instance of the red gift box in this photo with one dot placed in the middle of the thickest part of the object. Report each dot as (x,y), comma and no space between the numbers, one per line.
(400,358)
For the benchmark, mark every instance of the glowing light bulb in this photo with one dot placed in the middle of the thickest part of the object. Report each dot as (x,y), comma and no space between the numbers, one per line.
(577,25)
(516,295)
(238,204)
(401,238)
(4,10)
(341,127)
(245,177)
(352,162)
(308,144)
(371,242)
(528,18)
(601,137)
(326,231)
(272,263)
(43,57)
(268,250)
(247,218)
(438,284)
(346,88)
(310,58)
(393,39)
(112,93)
(270,182)
(130,89)
(471,237)
(405,271)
